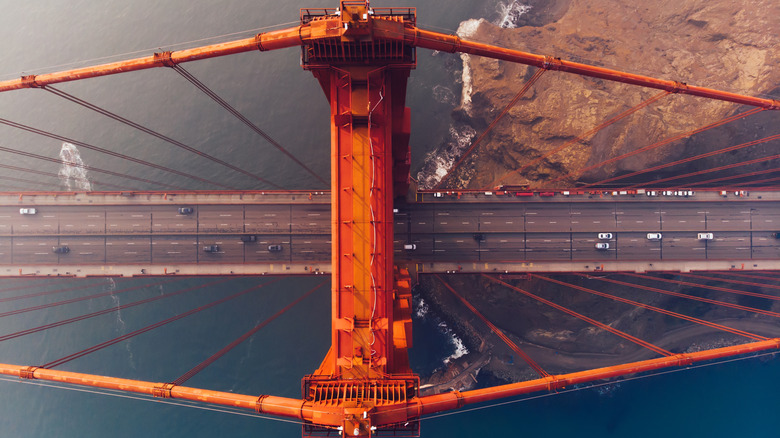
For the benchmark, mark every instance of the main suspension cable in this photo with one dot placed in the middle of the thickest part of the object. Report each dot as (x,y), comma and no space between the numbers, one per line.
(214,96)
(111,153)
(156,134)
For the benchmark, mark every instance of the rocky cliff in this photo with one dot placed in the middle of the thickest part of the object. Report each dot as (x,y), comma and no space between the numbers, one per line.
(721,44)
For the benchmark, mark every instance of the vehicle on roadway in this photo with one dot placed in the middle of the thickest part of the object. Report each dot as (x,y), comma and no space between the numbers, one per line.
(605,236)
(185,210)
(705,236)
(274,248)
(654,236)
(60,249)
(410,246)
(776,234)
(249,238)
(211,248)
(602,246)
(27,211)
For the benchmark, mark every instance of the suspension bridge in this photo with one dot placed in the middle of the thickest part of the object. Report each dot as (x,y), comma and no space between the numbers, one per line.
(369,238)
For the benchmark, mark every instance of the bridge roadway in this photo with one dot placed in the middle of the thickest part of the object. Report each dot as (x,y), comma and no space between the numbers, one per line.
(136,235)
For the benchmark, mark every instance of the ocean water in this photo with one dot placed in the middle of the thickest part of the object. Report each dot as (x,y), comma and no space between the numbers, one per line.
(735,399)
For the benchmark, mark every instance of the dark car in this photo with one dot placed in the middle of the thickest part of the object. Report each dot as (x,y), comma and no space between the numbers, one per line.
(479,237)
(185,210)
(274,248)
(211,248)
(250,238)
(60,249)
(776,235)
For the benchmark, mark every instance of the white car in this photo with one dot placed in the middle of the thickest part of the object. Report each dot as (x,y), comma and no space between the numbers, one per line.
(605,236)
(668,193)
(654,236)
(438,195)
(410,246)
(602,246)
(705,236)
(651,193)
(27,211)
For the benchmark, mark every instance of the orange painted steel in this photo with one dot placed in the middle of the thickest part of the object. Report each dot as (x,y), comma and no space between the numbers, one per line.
(453,400)
(281,406)
(451,43)
(277,39)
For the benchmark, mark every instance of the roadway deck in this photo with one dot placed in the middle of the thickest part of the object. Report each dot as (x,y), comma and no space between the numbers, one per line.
(144,234)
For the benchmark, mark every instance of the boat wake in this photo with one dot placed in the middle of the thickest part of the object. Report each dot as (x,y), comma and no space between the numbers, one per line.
(72,171)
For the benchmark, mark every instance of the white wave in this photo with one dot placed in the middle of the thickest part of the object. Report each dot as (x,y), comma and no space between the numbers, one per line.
(467,29)
(460,349)
(422,309)
(509,14)
(72,169)
(443,94)
(439,162)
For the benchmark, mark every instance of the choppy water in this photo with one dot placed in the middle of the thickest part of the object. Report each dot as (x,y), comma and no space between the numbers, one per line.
(272,90)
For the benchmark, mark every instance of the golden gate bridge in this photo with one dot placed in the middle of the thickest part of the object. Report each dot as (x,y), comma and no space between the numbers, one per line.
(362,57)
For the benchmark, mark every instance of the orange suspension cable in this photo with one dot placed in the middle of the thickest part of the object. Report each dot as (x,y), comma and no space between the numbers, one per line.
(672,139)
(104,311)
(75,300)
(211,359)
(737,176)
(215,97)
(689,297)
(714,169)
(119,339)
(746,283)
(90,168)
(586,135)
(657,309)
(509,106)
(156,134)
(111,153)
(718,288)
(687,160)
(600,325)
(497,331)
(54,175)
(51,292)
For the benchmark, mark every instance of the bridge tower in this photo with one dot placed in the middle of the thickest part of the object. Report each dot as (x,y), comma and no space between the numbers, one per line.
(366,372)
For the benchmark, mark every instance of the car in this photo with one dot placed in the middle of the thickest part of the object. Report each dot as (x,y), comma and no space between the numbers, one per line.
(651,193)
(211,248)
(667,193)
(60,249)
(776,235)
(605,236)
(410,246)
(479,237)
(654,236)
(27,211)
(705,236)
(185,210)
(274,248)
(602,246)
(249,238)
(438,195)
